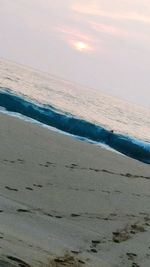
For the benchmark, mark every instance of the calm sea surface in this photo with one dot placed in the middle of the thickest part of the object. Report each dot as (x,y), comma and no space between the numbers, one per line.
(88,104)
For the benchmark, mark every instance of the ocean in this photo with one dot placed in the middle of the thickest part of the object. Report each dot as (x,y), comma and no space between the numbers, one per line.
(87,114)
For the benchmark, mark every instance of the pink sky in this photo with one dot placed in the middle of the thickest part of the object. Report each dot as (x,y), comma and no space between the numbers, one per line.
(102,44)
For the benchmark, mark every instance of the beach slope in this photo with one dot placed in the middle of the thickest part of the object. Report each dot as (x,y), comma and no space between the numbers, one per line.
(64,202)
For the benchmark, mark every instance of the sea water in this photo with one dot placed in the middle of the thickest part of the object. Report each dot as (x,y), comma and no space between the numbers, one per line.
(74,109)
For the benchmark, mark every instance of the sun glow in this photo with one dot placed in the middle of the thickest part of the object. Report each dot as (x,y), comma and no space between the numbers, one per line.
(81,46)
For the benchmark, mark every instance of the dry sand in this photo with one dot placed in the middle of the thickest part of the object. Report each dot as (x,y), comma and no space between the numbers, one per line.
(60,196)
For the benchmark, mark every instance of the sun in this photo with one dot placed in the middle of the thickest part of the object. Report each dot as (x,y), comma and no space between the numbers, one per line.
(81,46)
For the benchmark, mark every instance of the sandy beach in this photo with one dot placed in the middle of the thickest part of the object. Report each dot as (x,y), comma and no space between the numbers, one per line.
(64,202)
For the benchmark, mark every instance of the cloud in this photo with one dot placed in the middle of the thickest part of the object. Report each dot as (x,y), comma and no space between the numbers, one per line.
(106,28)
(72,33)
(94,10)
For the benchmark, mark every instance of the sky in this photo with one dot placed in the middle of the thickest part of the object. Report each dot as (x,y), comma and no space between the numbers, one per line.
(103,44)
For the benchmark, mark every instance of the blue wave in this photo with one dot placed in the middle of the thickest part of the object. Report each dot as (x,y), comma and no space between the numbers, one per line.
(48,115)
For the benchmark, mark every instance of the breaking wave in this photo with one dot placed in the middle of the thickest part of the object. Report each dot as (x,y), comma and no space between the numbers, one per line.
(68,123)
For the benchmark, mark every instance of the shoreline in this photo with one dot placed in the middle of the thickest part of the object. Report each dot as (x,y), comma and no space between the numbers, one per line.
(53,129)
(76,126)
(61,195)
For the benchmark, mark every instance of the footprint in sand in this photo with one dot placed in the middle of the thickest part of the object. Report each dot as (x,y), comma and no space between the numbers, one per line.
(147,220)
(23,210)
(75,252)
(137,195)
(43,165)
(11,189)
(131,256)
(68,260)
(50,163)
(38,185)
(47,164)
(75,215)
(125,234)
(95,243)
(93,250)
(134,264)
(19,261)
(29,188)
(120,236)
(107,171)
(58,217)
(21,161)
(137,228)
(48,214)
(72,166)
(5,160)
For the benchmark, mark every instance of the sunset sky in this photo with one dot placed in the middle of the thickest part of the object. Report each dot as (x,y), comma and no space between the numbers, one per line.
(103,44)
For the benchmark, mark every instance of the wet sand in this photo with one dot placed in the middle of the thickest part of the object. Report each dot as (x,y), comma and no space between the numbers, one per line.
(69,203)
